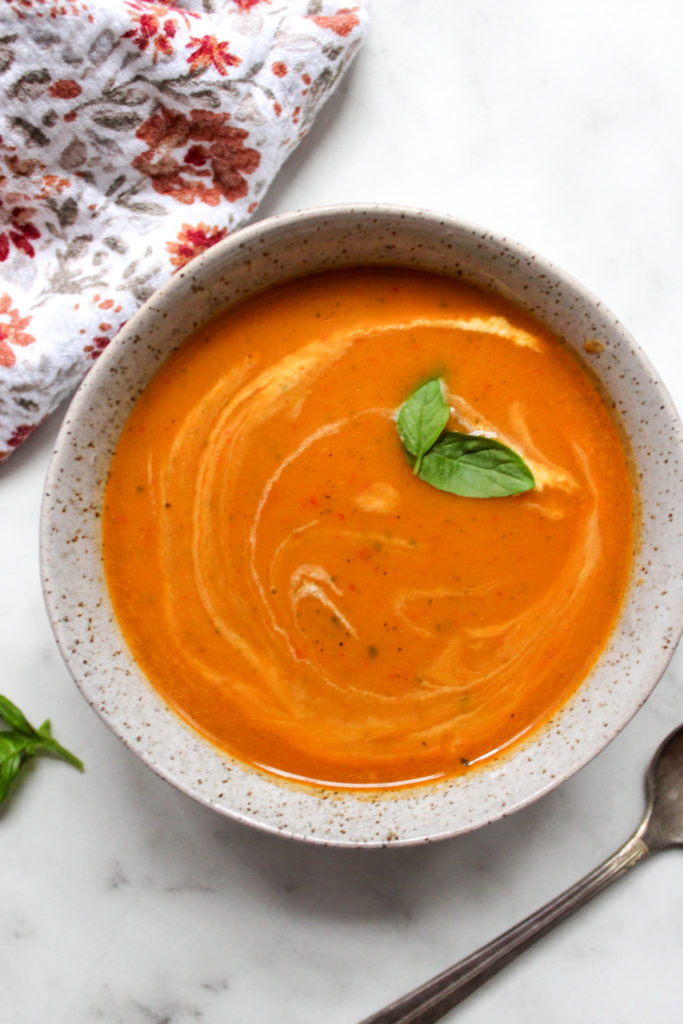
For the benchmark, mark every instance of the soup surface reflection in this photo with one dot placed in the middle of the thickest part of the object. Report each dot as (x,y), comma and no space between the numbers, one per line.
(300,596)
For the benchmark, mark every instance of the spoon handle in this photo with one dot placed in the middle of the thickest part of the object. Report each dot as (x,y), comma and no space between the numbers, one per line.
(436,997)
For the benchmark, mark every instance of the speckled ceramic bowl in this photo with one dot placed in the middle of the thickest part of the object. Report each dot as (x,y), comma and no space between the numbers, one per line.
(266,254)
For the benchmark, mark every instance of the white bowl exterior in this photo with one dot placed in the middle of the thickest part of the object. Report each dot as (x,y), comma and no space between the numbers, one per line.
(252,259)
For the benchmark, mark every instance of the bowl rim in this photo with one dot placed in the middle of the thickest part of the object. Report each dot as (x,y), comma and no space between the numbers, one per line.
(173,290)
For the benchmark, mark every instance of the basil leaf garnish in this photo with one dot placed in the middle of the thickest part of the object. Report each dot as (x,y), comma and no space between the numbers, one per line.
(464,464)
(475,467)
(421,419)
(14,718)
(11,751)
(22,741)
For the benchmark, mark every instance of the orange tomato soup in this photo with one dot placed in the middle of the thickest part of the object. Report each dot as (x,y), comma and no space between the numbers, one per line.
(306,602)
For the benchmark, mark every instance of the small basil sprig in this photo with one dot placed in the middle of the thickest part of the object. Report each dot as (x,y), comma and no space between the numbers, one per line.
(21,741)
(464,464)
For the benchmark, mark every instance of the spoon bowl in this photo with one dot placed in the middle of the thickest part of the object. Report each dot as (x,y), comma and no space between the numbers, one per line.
(663,825)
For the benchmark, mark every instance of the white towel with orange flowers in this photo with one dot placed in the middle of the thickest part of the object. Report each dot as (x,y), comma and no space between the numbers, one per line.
(133,136)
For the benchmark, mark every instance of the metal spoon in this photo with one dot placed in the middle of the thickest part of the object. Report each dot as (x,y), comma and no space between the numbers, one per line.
(662,827)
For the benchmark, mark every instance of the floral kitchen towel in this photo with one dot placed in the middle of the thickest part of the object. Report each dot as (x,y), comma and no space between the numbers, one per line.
(133,136)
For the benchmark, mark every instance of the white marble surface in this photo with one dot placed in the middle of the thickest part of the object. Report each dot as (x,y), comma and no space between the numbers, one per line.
(123,901)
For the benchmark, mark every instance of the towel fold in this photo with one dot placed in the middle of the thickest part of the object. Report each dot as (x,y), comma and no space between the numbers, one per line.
(133,136)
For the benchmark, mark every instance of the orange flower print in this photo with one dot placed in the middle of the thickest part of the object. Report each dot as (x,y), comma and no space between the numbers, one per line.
(211,51)
(193,240)
(19,435)
(98,346)
(65,89)
(21,232)
(12,331)
(342,23)
(199,156)
(152,21)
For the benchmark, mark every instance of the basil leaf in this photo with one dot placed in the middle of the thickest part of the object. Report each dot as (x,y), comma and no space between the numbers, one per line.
(12,743)
(22,741)
(13,753)
(15,718)
(10,767)
(421,419)
(475,467)
(44,730)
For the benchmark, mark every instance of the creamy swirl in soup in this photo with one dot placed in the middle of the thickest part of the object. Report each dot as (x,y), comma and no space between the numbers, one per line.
(300,596)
